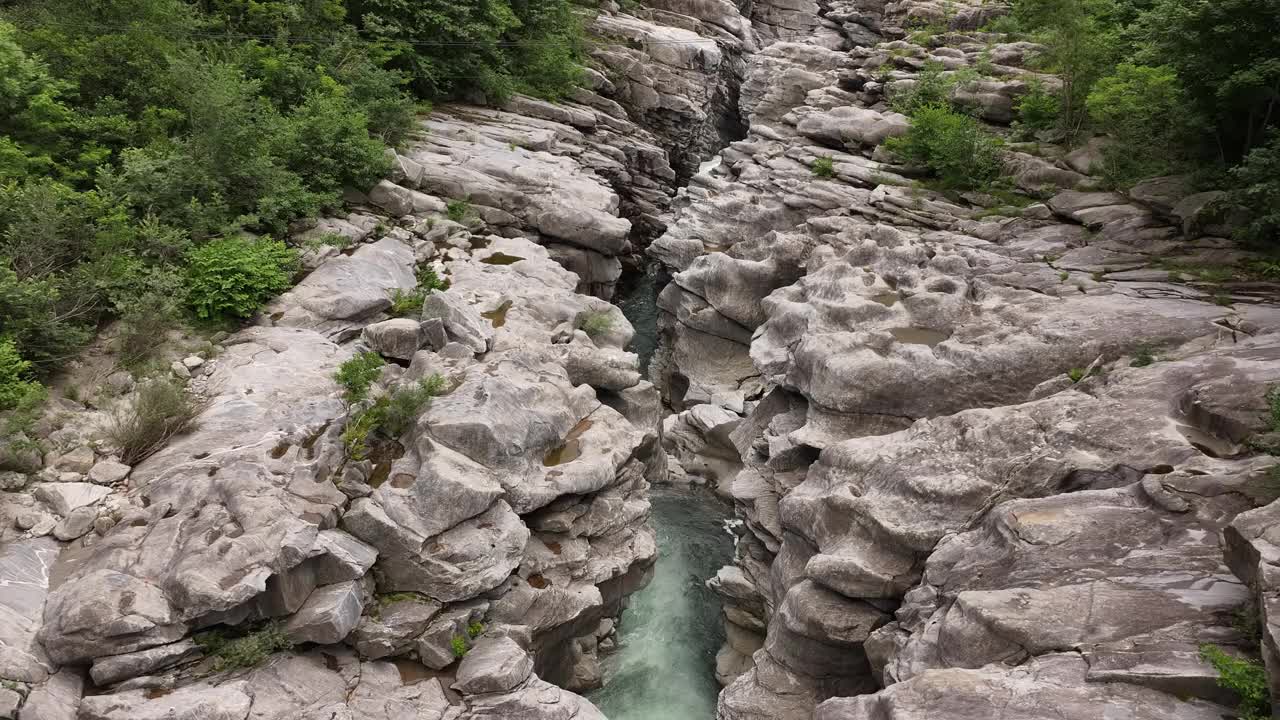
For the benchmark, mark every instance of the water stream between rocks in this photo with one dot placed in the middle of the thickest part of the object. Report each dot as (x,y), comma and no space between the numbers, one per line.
(669,635)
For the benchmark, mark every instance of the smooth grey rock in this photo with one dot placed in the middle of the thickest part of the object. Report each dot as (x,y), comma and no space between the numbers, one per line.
(1045,688)
(232,508)
(25,568)
(65,497)
(435,644)
(76,524)
(493,665)
(394,628)
(79,460)
(112,669)
(329,614)
(342,557)
(397,338)
(535,700)
(199,702)
(108,472)
(347,288)
(58,698)
(461,321)
(9,702)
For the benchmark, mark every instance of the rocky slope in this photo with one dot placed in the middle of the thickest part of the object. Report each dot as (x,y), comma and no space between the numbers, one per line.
(962,478)
(984,457)
(467,570)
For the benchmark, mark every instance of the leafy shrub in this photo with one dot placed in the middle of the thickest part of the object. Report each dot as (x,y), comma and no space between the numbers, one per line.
(233,277)
(1038,110)
(1256,195)
(595,324)
(459,646)
(475,629)
(142,327)
(16,389)
(1246,678)
(823,167)
(357,374)
(390,415)
(495,47)
(161,411)
(406,403)
(406,303)
(931,88)
(1142,356)
(952,145)
(243,652)
(457,210)
(1139,107)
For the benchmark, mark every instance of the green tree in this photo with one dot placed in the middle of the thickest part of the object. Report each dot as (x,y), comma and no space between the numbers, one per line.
(1227,55)
(1139,107)
(1080,46)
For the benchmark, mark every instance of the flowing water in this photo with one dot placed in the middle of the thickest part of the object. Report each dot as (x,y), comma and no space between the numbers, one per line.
(664,668)
(637,297)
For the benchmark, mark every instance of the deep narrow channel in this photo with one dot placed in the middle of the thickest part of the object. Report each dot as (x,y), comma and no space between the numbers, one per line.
(664,668)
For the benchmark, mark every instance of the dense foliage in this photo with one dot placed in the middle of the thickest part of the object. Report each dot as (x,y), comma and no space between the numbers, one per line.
(954,146)
(1179,85)
(142,140)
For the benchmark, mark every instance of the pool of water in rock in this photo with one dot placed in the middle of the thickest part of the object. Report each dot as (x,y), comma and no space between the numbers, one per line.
(664,668)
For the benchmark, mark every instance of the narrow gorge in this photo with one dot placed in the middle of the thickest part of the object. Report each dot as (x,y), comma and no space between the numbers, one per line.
(723,411)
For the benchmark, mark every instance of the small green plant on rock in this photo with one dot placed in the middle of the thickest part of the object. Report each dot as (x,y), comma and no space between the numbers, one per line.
(1246,678)
(595,324)
(406,303)
(1076,374)
(823,167)
(391,415)
(459,646)
(475,629)
(242,652)
(356,375)
(457,210)
(1142,356)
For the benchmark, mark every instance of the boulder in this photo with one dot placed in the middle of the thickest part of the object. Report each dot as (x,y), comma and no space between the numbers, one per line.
(398,338)
(493,665)
(329,614)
